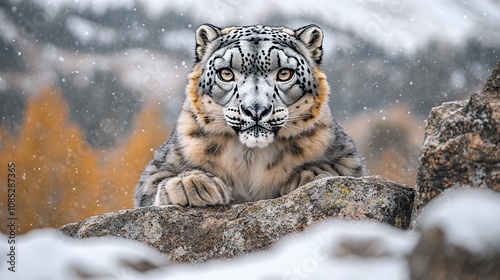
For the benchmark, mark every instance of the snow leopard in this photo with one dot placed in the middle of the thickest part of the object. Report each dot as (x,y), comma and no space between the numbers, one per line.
(255,123)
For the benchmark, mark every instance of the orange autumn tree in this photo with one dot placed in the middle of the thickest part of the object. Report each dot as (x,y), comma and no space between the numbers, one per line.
(57,175)
(60,177)
(124,164)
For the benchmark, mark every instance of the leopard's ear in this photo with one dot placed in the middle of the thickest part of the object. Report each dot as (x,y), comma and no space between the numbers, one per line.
(312,36)
(204,35)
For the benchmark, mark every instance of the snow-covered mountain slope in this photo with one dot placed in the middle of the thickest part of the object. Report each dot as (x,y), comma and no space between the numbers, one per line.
(403,26)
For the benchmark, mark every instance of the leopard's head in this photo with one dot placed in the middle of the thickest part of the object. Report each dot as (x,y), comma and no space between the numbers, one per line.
(259,82)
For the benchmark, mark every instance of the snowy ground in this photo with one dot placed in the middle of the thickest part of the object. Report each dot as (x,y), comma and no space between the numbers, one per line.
(334,249)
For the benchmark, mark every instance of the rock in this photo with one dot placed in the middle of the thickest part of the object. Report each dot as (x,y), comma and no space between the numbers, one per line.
(460,237)
(198,234)
(462,145)
(455,242)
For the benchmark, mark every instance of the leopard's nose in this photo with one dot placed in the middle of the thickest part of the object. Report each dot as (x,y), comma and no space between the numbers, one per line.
(256,112)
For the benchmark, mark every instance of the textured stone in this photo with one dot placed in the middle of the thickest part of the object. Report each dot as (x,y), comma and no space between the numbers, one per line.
(197,234)
(462,144)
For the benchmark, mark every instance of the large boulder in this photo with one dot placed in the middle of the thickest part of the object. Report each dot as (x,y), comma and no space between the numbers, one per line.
(462,145)
(459,239)
(197,234)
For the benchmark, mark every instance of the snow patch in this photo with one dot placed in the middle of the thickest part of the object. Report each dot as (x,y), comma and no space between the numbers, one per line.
(9,32)
(178,40)
(47,254)
(470,218)
(87,32)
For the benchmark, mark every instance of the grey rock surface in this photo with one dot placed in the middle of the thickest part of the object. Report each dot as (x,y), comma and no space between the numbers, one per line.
(462,145)
(198,234)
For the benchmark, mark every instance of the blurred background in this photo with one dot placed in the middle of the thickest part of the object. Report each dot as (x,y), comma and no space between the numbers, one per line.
(89,89)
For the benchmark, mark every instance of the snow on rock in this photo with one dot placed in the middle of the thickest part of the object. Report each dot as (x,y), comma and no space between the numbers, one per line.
(469,218)
(48,254)
(460,237)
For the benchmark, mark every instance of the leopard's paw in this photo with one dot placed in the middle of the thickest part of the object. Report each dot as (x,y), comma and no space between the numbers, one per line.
(307,175)
(193,188)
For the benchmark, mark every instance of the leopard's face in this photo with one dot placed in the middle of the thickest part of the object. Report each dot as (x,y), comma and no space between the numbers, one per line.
(259,79)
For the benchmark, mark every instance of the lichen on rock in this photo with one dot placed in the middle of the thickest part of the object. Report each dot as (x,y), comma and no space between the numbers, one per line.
(198,234)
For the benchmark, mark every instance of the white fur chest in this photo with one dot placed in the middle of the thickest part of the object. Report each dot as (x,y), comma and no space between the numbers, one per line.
(247,171)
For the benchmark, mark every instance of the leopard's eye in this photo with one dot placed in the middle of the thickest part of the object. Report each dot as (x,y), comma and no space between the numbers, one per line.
(284,75)
(226,75)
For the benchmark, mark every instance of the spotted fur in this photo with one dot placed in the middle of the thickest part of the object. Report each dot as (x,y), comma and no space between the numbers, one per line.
(255,124)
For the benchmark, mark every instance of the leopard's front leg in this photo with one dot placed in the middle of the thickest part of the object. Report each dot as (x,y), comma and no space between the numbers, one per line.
(193,188)
(306,174)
